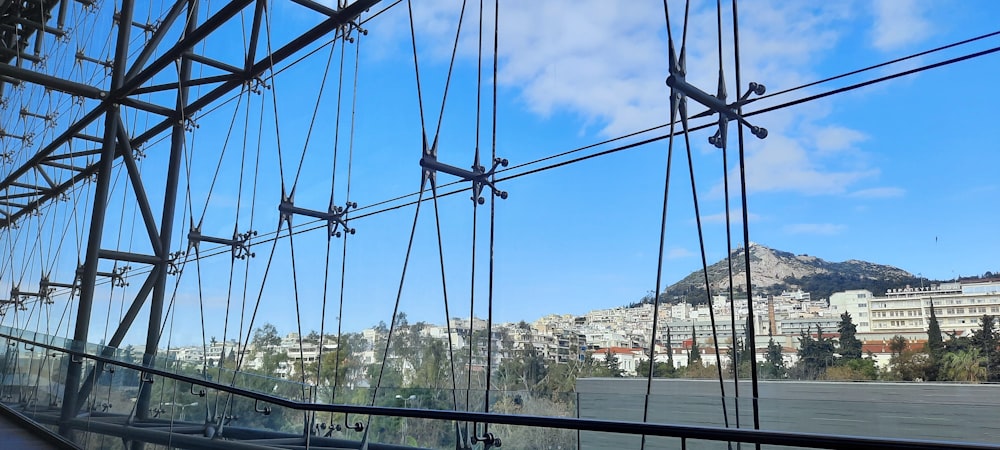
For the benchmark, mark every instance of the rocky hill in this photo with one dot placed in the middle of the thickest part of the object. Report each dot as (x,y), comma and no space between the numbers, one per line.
(774,271)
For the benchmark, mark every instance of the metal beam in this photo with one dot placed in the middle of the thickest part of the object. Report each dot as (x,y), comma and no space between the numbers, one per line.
(137,187)
(143,75)
(101,193)
(196,82)
(187,42)
(343,17)
(119,335)
(211,62)
(128,256)
(178,137)
(42,154)
(51,82)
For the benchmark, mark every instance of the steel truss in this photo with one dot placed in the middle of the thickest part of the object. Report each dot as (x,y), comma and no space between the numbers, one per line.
(132,71)
(163,65)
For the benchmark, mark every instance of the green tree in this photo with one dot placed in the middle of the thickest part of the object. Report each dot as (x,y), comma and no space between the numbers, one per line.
(268,344)
(897,345)
(695,354)
(660,369)
(559,379)
(860,369)
(986,340)
(744,355)
(815,355)
(613,364)
(967,365)
(774,362)
(911,365)
(266,336)
(523,370)
(935,344)
(670,351)
(850,345)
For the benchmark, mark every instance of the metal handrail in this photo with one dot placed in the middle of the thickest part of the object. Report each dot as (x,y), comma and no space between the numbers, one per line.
(708,433)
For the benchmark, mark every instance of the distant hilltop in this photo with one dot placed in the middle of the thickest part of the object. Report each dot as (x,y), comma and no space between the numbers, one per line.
(774,271)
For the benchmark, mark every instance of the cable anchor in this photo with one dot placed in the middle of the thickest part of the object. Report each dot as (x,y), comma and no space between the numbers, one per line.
(335,216)
(19,296)
(239,243)
(50,119)
(680,90)
(81,57)
(26,138)
(257,85)
(149,28)
(348,28)
(117,275)
(173,268)
(46,288)
(479,176)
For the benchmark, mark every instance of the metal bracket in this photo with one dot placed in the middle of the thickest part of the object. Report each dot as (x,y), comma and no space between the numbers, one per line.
(18,304)
(46,288)
(200,393)
(146,378)
(17,295)
(145,27)
(240,242)
(266,410)
(81,57)
(257,85)
(172,267)
(681,89)
(335,217)
(347,29)
(479,176)
(489,440)
(26,138)
(117,275)
(50,119)
(358,426)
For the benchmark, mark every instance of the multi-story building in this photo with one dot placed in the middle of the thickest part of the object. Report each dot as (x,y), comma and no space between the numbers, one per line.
(958,307)
(856,303)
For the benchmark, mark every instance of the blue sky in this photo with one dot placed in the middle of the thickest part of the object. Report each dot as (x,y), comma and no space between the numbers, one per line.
(899,173)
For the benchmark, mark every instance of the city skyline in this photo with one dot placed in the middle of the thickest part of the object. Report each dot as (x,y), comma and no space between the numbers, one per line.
(864,175)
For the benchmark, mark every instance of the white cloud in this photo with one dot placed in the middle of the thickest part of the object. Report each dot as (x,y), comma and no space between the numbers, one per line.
(679,253)
(608,68)
(735,217)
(879,192)
(835,138)
(899,23)
(825,229)
(786,163)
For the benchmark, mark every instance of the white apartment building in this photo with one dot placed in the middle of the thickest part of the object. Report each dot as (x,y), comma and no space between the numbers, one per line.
(958,307)
(856,303)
